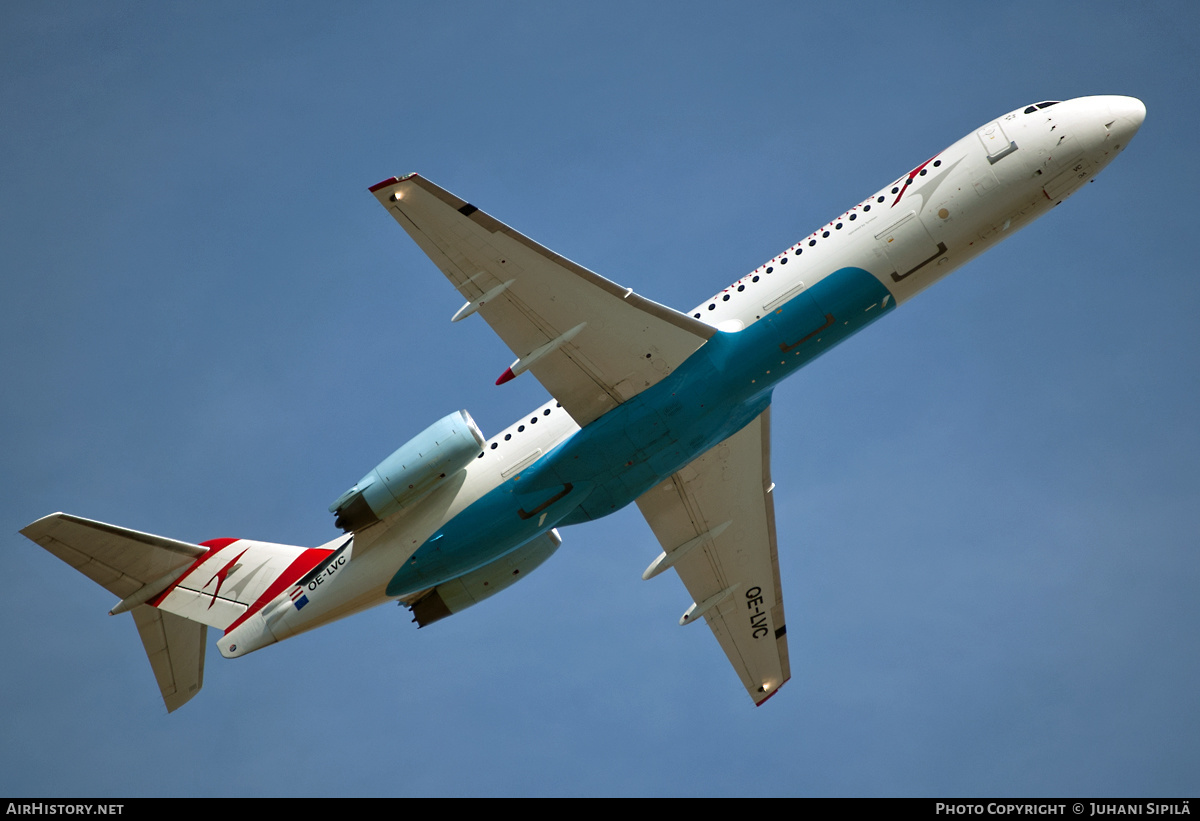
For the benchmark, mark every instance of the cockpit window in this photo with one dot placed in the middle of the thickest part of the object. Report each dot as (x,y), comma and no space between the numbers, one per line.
(1046,104)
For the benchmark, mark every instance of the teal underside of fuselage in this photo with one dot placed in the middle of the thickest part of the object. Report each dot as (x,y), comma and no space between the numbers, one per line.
(720,389)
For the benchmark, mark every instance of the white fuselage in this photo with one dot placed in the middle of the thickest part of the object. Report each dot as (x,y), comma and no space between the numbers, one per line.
(908,235)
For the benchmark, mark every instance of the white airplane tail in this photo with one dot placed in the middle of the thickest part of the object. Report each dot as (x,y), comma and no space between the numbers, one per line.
(176,590)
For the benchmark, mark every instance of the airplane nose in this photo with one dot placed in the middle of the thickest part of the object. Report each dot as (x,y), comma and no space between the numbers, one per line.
(1127,114)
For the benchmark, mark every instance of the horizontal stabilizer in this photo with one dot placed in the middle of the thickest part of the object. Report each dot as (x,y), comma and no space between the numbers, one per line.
(176,590)
(120,560)
(136,566)
(175,647)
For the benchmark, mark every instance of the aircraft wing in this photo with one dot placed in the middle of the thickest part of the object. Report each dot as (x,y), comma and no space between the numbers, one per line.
(715,520)
(592,343)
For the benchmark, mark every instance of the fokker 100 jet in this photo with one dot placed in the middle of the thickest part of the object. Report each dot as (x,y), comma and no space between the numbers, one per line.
(666,409)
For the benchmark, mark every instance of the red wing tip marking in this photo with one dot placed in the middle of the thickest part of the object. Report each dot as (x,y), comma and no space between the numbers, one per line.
(384,184)
(217,543)
(772,693)
(507,376)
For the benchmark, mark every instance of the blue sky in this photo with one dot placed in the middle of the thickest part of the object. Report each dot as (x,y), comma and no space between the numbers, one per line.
(987,504)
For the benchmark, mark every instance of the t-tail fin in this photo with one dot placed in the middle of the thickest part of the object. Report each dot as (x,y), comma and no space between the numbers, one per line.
(175,590)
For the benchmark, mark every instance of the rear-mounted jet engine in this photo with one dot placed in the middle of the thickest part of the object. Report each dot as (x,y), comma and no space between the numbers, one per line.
(458,594)
(414,470)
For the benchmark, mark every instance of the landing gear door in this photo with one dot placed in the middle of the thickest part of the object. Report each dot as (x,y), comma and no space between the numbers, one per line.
(996,142)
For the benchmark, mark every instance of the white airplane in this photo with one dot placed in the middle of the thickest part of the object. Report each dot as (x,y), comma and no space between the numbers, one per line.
(665,409)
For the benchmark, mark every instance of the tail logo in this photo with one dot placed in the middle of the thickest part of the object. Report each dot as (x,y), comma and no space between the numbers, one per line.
(223,574)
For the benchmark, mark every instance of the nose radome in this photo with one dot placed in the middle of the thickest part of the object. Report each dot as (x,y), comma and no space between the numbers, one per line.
(1125,116)
(1130,109)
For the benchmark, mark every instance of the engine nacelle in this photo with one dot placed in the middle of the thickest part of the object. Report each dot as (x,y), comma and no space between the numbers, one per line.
(458,594)
(414,470)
